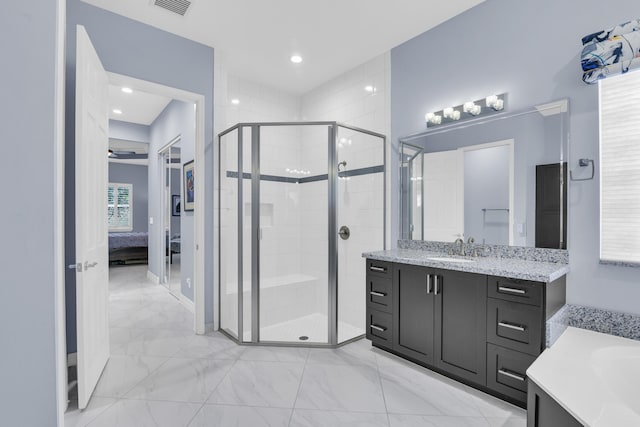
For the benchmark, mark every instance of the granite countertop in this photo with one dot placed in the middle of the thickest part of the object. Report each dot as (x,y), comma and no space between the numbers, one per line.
(593,376)
(505,267)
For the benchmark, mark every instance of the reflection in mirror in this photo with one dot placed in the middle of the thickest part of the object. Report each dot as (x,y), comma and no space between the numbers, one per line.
(500,180)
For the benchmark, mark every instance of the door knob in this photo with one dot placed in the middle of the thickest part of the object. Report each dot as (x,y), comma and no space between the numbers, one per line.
(344,232)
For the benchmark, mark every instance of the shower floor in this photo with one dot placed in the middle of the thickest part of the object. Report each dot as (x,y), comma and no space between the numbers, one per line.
(313,326)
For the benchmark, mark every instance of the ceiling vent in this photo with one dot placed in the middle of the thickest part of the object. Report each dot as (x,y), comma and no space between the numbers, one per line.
(176,6)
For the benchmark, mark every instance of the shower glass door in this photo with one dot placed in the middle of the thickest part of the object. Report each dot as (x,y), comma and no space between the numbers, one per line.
(293,234)
(360,221)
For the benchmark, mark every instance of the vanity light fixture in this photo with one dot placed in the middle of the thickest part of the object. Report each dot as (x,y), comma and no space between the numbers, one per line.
(470,109)
(127,90)
(434,119)
(296,59)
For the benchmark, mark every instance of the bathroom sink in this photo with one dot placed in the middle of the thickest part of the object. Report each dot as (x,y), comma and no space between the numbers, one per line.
(619,369)
(450,259)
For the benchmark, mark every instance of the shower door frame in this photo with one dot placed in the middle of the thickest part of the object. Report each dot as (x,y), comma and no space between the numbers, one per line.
(333,263)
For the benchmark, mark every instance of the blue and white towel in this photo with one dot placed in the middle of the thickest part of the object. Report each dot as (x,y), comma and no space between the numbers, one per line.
(612,51)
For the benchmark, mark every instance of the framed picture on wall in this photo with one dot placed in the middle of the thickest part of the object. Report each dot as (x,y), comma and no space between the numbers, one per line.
(175,205)
(188,179)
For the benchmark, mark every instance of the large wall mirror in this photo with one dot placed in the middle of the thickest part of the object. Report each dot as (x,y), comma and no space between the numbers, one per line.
(501,180)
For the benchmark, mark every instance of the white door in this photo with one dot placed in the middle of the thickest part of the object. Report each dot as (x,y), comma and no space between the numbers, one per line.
(92,274)
(443,196)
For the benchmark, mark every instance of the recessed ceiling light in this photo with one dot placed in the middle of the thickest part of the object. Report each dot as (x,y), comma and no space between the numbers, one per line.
(235,101)
(369,88)
(116,111)
(127,90)
(296,59)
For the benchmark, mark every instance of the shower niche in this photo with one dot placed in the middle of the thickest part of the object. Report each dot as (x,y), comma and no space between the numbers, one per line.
(285,190)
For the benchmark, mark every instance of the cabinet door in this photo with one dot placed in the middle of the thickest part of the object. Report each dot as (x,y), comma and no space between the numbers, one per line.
(461,312)
(413,312)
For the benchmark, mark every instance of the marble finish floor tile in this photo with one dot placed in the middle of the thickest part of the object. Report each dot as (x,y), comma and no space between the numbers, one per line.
(182,380)
(341,388)
(141,413)
(122,373)
(397,420)
(414,390)
(210,346)
(251,383)
(74,417)
(162,374)
(276,354)
(150,342)
(236,416)
(314,418)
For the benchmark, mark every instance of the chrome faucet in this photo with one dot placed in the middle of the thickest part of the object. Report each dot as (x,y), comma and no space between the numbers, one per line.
(461,251)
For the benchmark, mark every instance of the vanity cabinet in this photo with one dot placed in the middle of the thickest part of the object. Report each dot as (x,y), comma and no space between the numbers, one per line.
(439,319)
(544,411)
(482,330)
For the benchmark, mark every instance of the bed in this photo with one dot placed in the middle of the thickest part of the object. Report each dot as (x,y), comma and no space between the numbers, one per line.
(128,247)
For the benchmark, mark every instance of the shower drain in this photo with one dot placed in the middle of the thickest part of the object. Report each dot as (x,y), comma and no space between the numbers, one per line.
(303,338)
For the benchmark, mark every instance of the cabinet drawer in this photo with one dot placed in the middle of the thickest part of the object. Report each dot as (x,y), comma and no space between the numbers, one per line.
(514,325)
(379,268)
(379,327)
(506,371)
(379,293)
(522,291)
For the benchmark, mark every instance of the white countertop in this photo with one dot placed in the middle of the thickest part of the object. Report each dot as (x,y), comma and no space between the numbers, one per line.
(593,376)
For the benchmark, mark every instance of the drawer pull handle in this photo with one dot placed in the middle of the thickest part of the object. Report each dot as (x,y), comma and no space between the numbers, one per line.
(511,375)
(512,326)
(377,294)
(381,269)
(512,290)
(377,328)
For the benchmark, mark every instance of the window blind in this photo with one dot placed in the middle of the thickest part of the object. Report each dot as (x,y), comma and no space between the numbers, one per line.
(620,168)
(120,207)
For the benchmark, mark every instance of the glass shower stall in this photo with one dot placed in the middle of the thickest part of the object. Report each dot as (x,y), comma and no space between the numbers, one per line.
(298,204)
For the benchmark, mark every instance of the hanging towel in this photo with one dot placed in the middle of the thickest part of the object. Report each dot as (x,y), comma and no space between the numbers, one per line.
(612,51)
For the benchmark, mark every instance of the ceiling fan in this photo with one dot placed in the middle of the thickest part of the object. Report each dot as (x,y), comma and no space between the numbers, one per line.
(123,154)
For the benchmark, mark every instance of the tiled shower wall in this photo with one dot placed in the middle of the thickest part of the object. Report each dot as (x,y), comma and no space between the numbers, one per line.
(294,239)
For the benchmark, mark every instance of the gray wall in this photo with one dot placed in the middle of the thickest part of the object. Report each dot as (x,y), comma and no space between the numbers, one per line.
(530,49)
(27,294)
(143,52)
(138,176)
(128,131)
(177,119)
(486,186)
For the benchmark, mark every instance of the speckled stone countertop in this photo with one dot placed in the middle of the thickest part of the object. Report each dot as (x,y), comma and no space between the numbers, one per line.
(504,267)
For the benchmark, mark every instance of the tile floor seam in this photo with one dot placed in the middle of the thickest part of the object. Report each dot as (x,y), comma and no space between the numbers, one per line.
(384,397)
(235,362)
(295,401)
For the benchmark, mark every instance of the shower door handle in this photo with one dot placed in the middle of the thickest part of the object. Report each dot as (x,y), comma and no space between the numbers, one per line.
(344,232)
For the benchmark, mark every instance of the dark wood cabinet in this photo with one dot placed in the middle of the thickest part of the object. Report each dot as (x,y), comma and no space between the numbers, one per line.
(482,330)
(543,411)
(413,311)
(460,332)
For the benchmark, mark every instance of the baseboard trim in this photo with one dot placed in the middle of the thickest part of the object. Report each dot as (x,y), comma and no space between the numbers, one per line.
(155,279)
(187,303)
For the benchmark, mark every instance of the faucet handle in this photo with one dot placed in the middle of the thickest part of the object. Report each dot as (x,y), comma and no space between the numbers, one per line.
(471,241)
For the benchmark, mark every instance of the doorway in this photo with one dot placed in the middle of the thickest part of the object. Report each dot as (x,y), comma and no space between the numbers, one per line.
(170,158)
